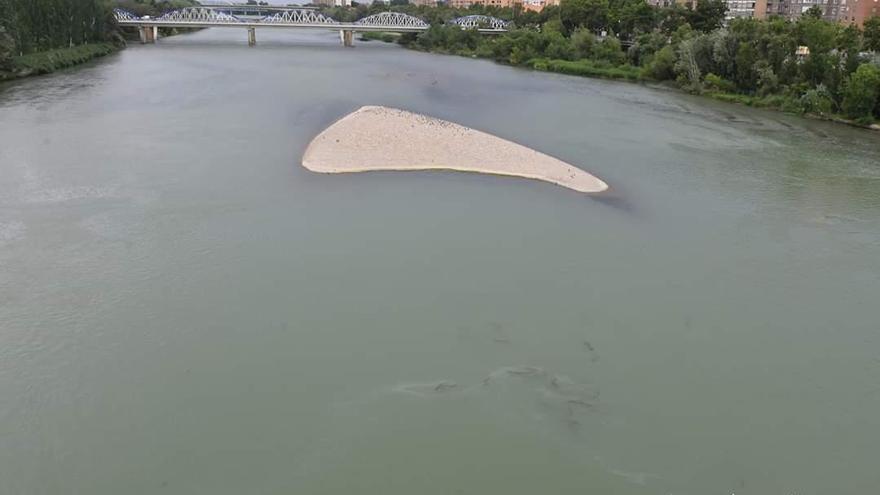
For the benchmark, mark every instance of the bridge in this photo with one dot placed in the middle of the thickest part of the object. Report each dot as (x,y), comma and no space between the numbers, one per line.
(298,18)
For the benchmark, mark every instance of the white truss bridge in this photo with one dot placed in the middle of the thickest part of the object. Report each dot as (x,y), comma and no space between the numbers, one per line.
(482,23)
(203,17)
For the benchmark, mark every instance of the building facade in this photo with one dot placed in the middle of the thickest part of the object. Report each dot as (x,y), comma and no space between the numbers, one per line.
(832,10)
(746,8)
(332,3)
(463,4)
(858,11)
(538,5)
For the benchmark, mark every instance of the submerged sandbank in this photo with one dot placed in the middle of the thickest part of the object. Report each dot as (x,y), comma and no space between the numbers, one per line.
(382,138)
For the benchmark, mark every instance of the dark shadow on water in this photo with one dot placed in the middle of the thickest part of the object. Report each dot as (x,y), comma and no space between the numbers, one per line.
(616,200)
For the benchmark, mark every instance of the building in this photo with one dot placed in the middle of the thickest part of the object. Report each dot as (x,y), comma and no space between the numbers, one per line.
(538,5)
(463,4)
(670,3)
(332,3)
(746,8)
(832,10)
(858,11)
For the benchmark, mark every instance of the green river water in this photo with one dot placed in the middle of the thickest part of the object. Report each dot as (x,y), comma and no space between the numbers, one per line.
(186,310)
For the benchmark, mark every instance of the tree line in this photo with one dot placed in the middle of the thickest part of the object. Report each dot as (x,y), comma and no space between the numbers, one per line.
(809,65)
(39,25)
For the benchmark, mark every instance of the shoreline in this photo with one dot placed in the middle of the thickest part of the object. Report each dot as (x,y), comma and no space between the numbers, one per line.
(376,138)
(47,62)
(626,74)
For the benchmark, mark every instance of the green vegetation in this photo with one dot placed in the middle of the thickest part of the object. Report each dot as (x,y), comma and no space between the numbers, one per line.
(152,8)
(588,68)
(808,66)
(39,36)
(31,26)
(376,36)
(52,60)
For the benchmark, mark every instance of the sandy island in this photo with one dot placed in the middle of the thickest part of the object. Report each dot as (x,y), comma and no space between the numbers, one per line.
(381,138)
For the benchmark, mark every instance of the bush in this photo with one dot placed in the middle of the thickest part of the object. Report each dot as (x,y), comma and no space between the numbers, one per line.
(384,37)
(52,60)
(588,68)
(860,93)
(662,65)
(609,50)
(717,83)
(768,81)
(816,101)
(583,41)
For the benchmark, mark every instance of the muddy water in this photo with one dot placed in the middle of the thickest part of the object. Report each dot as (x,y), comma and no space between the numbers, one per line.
(185,310)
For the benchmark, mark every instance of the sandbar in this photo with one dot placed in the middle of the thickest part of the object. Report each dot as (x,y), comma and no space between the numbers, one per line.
(382,138)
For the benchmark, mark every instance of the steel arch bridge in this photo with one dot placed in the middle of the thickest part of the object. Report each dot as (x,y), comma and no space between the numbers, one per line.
(297,16)
(197,14)
(393,19)
(205,17)
(209,17)
(481,22)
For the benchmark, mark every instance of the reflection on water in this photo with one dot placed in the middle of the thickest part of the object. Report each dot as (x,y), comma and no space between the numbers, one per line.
(187,310)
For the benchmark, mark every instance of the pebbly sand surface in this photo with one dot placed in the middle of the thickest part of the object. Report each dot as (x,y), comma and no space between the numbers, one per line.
(381,138)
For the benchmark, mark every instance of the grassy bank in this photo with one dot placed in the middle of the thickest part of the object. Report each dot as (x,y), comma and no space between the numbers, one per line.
(811,104)
(587,68)
(53,60)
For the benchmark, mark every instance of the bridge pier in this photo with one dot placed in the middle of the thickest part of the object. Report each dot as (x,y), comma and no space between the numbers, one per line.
(149,34)
(252,36)
(347,37)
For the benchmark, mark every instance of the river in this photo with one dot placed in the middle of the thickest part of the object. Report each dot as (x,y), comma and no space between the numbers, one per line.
(184,309)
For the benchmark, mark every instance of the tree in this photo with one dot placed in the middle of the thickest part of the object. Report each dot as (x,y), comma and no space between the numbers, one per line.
(687,68)
(583,41)
(7,48)
(708,15)
(861,92)
(662,65)
(872,34)
(592,14)
(814,12)
(746,74)
(848,44)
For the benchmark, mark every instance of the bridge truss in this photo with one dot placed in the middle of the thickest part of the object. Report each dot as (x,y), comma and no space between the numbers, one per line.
(482,22)
(203,17)
(392,19)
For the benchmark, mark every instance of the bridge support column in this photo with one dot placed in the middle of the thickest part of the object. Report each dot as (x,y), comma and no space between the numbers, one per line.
(252,36)
(347,37)
(149,34)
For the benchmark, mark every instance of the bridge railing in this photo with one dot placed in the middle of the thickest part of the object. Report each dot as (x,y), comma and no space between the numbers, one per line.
(298,16)
(392,19)
(199,16)
(481,22)
(195,14)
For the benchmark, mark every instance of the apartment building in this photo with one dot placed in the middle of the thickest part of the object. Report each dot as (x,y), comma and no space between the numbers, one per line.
(538,5)
(858,11)
(463,4)
(746,8)
(832,10)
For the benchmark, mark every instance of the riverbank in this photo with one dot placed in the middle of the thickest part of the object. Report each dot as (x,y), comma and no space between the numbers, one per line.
(52,60)
(604,70)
